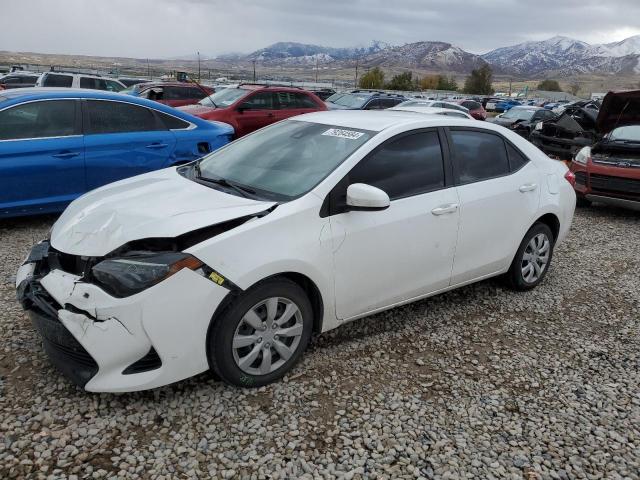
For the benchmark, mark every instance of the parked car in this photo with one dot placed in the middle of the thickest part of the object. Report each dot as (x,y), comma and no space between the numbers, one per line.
(250,107)
(505,104)
(523,120)
(489,103)
(174,94)
(323,93)
(434,104)
(565,135)
(130,82)
(364,100)
(18,80)
(432,111)
(609,171)
(231,262)
(79,80)
(476,110)
(57,144)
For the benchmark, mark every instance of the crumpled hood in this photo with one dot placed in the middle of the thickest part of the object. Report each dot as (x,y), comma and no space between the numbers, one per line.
(618,109)
(161,204)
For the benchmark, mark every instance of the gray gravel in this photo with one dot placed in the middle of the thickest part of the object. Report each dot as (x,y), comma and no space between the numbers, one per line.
(478,383)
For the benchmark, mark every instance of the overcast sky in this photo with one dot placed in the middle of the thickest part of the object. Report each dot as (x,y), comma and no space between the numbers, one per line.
(164,28)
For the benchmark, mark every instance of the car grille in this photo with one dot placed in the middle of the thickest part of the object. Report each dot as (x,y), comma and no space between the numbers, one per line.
(607,183)
(74,264)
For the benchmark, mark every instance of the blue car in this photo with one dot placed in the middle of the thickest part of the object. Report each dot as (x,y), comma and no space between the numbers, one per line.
(505,105)
(56,144)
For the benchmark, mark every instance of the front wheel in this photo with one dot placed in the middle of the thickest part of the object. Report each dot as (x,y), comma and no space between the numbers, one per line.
(532,260)
(262,335)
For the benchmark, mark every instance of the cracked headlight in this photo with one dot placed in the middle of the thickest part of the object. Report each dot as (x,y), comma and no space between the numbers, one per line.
(129,275)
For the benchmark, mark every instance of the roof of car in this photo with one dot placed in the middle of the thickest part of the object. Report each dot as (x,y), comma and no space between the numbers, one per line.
(431,110)
(376,120)
(168,84)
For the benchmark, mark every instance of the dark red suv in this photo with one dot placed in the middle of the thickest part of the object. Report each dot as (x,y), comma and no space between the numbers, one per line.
(249,107)
(174,94)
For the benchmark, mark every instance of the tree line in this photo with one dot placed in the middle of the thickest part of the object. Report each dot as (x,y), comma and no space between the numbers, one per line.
(479,82)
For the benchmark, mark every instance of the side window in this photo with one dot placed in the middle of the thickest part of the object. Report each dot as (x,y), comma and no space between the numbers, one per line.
(112,86)
(407,166)
(55,80)
(479,155)
(119,117)
(171,122)
(516,159)
(259,101)
(389,102)
(195,92)
(285,100)
(374,105)
(54,118)
(88,82)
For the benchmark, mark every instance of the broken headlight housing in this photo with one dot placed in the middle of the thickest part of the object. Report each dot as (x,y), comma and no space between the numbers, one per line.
(125,276)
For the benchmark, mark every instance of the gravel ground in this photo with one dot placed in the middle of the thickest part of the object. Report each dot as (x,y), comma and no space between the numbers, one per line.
(477,383)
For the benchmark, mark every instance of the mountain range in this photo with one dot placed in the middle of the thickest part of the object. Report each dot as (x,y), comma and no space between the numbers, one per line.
(560,56)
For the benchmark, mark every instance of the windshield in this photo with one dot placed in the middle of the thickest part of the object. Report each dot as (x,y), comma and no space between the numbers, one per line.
(630,133)
(284,160)
(334,97)
(350,101)
(519,114)
(224,98)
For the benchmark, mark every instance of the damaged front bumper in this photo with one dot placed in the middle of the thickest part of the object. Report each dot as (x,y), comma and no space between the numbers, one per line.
(108,344)
(565,149)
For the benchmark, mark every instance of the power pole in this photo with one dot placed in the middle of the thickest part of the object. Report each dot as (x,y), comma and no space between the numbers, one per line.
(316,69)
(356,80)
(254,70)
(510,87)
(148,70)
(198,66)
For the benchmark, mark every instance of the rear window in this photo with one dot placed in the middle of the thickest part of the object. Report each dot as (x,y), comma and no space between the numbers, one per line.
(471,105)
(57,80)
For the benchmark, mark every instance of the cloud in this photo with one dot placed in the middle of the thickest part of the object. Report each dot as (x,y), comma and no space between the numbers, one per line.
(164,28)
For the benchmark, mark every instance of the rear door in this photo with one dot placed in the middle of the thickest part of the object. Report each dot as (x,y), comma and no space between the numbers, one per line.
(123,140)
(499,191)
(41,156)
(256,111)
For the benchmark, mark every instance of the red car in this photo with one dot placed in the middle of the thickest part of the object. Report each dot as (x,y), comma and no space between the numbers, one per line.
(609,171)
(174,94)
(476,110)
(249,107)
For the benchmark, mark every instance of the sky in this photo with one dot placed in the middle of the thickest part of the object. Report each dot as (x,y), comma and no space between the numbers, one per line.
(167,28)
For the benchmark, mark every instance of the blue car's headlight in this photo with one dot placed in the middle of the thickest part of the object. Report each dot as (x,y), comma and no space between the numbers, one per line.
(129,275)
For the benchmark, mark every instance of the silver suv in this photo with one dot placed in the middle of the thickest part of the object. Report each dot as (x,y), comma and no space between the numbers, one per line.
(79,80)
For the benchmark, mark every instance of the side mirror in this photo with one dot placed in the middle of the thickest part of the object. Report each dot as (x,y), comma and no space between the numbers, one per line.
(361,196)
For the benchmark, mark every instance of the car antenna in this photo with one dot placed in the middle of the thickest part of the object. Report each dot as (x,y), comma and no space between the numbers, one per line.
(206,94)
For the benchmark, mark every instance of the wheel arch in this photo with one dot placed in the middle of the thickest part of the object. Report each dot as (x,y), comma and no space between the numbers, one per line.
(552,221)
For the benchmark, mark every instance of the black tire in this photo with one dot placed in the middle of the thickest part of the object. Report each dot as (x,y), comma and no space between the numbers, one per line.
(582,202)
(221,333)
(514,277)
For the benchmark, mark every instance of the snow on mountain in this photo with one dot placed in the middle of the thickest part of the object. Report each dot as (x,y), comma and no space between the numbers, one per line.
(628,46)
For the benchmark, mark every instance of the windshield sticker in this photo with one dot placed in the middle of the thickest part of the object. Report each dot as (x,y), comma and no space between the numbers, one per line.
(349,134)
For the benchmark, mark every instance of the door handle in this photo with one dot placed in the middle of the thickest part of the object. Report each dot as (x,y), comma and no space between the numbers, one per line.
(528,187)
(444,209)
(66,154)
(157,145)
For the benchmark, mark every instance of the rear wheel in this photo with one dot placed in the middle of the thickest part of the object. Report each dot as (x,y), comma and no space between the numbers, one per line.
(532,260)
(262,335)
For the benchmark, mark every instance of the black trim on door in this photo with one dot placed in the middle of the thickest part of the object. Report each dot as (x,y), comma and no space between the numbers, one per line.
(335,201)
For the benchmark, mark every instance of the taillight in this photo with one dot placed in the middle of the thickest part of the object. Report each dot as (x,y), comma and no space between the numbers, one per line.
(570,177)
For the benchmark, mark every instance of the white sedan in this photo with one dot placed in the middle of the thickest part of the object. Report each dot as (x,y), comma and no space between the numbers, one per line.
(230,263)
(433,111)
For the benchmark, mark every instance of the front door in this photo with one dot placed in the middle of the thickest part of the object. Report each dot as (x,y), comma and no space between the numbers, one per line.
(41,157)
(386,257)
(257,111)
